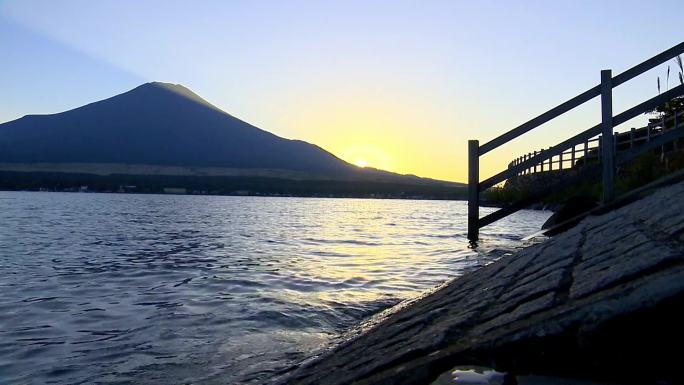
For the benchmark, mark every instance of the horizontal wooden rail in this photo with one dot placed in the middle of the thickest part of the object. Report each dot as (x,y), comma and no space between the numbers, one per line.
(648,64)
(577,152)
(648,105)
(585,174)
(657,141)
(505,211)
(542,156)
(541,119)
(581,137)
(581,99)
(626,139)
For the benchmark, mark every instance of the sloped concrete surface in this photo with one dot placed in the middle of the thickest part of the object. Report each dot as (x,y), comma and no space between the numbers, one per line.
(601,301)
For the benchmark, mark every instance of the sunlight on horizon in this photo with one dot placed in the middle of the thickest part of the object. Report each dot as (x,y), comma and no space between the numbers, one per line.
(365,155)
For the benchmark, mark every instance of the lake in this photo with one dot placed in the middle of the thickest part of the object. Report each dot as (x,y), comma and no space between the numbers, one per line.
(170,289)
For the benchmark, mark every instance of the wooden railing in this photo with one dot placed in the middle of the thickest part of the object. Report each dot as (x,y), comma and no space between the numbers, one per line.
(605,129)
(567,159)
(580,155)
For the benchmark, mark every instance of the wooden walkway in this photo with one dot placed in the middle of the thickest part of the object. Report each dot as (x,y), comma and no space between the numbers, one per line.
(590,151)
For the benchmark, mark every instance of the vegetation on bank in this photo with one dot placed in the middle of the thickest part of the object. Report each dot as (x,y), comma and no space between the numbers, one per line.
(223,185)
(643,170)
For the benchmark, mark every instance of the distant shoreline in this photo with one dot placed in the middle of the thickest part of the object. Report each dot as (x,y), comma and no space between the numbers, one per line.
(105,169)
(224,186)
(249,196)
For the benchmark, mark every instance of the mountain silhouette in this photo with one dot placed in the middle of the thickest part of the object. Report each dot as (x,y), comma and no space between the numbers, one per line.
(169,127)
(160,124)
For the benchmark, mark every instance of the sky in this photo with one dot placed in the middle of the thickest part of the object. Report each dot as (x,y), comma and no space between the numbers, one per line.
(397,85)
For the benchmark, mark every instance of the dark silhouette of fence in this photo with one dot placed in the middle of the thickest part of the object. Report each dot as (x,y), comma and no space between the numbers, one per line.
(580,155)
(601,137)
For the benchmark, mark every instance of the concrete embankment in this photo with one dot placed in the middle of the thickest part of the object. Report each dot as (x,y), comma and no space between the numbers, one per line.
(602,301)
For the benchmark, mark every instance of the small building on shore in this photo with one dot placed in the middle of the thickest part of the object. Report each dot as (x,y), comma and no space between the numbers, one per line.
(175,190)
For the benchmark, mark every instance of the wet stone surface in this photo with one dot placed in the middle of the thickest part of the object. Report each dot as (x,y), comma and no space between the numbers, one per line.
(599,297)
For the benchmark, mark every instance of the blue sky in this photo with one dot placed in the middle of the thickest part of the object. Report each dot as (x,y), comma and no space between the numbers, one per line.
(400,85)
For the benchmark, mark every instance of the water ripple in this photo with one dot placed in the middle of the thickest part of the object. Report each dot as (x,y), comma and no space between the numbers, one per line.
(159,289)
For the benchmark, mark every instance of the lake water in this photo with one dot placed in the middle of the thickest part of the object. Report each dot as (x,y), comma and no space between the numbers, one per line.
(155,289)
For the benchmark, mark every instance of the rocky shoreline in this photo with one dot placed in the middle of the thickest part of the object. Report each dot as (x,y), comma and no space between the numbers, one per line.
(599,302)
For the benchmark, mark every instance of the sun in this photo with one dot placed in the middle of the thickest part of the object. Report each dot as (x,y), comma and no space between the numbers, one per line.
(363,155)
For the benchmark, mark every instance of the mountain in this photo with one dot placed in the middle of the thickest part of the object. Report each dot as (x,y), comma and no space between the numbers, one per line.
(166,129)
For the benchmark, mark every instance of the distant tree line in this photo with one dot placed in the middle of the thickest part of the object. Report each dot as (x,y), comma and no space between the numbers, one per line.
(223,185)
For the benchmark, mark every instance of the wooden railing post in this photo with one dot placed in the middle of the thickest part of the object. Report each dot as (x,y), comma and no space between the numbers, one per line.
(607,147)
(674,127)
(572,157)
(473,189)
